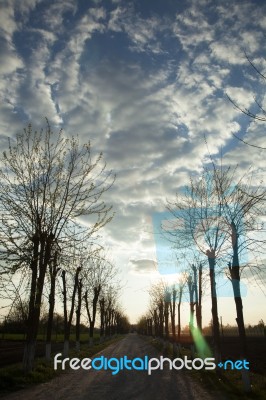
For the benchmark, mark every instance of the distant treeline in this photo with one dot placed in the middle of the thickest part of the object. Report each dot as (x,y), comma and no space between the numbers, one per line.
(12,325)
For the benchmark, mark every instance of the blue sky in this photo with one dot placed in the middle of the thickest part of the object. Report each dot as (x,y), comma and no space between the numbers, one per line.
(145,81)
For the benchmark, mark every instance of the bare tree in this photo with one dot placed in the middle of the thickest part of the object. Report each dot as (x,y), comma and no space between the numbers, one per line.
(144,325)
(122,324)
(260,116)
(54,269)
(102,317)
(47,181)
(180,295)
(241,203)
(153,308)
(160,298)
(197,270)
(176,293)
(78,311)
(194,282)
(68,313)
(216,211)
(99,275)
(172,305)
(199,214)
(108,307)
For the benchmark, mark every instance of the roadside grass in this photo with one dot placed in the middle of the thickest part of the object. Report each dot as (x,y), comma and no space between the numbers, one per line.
(12,378)
(42,337)
(228,383)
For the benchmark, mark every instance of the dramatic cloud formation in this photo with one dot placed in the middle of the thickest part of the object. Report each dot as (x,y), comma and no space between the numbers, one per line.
(146,82)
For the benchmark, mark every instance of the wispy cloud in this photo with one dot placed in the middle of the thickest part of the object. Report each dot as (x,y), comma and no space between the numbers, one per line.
(144,87)
(145,266)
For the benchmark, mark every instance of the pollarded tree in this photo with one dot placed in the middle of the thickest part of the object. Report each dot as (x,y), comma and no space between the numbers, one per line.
(108,306)
(47,181)
(122,322)
(143,324)
(194,283)
(200,224)
(160,298)
(69,291)
(54,269)
(98,275)
(241,203)
(180,290)
(218,215)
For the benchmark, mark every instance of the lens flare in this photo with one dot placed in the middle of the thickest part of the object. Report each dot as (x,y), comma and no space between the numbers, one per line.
(202,347)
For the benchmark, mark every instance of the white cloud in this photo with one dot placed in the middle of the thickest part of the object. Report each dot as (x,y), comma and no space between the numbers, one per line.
(143,33)
(145,266)
(10,61)
(53,16)
(88,24)
(228,51)
(147,106)
(242,97)
(7,21)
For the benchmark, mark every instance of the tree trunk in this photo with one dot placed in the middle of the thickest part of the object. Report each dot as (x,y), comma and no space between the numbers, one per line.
(172,312)
(166,318)
(235,279)
(30,343)
(215,318)
(166,323)
(53,273)
(161,319)
(102,313)
(78,314)
(92,317)
(179,315)
(198,305)
(68,319)
(29,355)
(48,350)
(39,263)
(198,294)
(191,288)
(239,310)
(156,325)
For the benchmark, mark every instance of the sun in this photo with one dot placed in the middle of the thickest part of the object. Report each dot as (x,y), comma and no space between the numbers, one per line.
(171,279)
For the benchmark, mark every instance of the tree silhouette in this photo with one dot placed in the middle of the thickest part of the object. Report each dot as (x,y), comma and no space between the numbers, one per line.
(47,182)
(260,116)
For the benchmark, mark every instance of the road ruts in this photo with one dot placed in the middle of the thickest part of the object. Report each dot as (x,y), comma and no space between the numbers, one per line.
(130,385)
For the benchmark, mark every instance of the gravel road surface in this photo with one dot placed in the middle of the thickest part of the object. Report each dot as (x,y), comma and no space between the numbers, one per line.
(130,385)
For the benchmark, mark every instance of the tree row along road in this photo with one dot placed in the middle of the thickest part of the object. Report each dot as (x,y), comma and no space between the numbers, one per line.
(11,352)
(102,385)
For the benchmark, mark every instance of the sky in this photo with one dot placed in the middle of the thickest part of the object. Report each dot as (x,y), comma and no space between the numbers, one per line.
(148,83)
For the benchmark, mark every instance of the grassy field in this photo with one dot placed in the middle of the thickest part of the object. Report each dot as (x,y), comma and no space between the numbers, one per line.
(227,382)
(84,337)
(12,377)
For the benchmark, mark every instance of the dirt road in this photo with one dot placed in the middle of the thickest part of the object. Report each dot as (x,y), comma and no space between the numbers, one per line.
(131,385)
